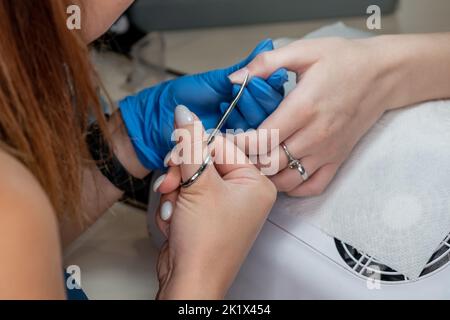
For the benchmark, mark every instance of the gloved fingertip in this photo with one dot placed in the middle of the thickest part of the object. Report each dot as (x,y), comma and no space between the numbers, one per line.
(265,45)
(278,79)
(266,96)
(251,110)
(235,120)
(224,106)
(281,73)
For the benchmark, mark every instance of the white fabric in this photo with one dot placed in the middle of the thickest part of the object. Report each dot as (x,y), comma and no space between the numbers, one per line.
(391,199)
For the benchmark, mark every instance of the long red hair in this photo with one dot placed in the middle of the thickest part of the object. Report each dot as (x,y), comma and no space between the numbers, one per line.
(47,95)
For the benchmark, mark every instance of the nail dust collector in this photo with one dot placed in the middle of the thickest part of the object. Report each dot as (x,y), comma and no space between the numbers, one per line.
(301,262)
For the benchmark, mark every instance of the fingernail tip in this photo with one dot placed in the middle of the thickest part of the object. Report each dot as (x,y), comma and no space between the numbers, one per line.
(183,116)
(181,107)
(167,159)
(158,183)
(166,211)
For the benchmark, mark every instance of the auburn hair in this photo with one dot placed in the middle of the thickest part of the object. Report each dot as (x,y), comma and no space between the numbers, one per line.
(47,96)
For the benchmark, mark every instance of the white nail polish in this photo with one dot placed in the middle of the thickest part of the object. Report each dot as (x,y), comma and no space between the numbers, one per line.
(183,116)
(159,182)
(166,211)
(167,159)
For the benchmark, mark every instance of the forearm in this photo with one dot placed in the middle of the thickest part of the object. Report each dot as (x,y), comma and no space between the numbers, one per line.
(99,194)
(419,67)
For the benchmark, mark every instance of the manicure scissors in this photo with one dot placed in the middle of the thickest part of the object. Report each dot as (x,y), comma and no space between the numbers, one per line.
(216,131)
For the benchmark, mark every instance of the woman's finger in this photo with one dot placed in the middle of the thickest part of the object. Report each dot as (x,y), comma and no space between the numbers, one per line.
(248,142)
(291,117)
(168,182)
(191,148)
(289,179)
(228,157)
(165,211)
(266,142)
(295,112)
(317,184)
(263,46)
(163,267)
(300,145)
(295,56)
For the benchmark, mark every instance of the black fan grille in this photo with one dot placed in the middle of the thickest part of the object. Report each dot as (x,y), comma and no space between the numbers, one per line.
(369,267)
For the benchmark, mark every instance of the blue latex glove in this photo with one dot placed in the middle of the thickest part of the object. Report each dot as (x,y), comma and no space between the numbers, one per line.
(259,100)
(149,116)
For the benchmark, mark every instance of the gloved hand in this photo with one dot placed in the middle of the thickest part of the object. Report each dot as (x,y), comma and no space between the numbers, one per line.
(259,100)
(149,116)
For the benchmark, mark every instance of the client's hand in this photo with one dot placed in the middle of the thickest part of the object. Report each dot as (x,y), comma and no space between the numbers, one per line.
(344,86)
(211,225)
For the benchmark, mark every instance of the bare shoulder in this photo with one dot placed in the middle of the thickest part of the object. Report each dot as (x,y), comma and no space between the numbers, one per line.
(18,185)
(29,236)
(23,202)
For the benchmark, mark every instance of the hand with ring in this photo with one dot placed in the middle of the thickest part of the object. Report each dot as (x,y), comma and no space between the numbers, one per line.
(344,87)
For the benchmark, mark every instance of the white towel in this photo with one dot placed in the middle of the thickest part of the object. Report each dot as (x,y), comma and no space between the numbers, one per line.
(391,199)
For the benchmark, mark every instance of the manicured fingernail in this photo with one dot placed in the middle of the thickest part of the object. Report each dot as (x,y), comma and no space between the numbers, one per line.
(167,159)
(183,116)
(239,76)
(166,211)
(159,182)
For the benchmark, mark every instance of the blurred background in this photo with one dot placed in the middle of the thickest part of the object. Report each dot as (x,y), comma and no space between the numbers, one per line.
(162,39)
(189,36)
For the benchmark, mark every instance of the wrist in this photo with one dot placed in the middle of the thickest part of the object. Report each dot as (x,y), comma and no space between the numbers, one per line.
(146,127)
(388,61)
(414,68)
(123,148)
(192,283)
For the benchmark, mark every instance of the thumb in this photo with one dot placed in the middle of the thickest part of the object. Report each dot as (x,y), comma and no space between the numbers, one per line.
(191,150)
(295,57)
(228,157)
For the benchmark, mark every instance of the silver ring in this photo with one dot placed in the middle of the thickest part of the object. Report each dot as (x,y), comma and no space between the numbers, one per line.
(295,164)
(197,174)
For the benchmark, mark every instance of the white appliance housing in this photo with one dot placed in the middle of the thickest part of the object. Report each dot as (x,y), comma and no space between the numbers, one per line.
(299,261)
(296,260)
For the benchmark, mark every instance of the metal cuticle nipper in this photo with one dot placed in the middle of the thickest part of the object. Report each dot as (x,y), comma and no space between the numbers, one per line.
(216,131)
